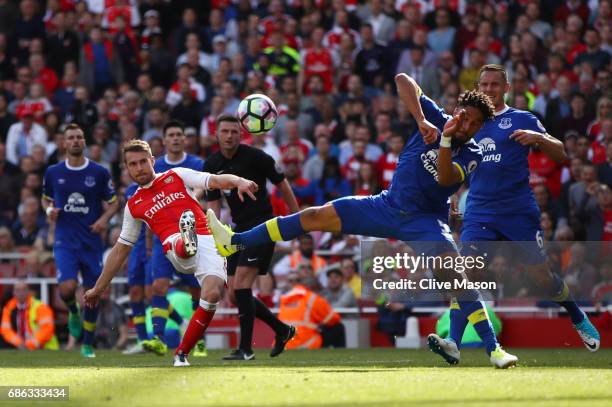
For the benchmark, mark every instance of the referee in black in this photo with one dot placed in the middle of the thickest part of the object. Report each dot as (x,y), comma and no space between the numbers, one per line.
(244,266)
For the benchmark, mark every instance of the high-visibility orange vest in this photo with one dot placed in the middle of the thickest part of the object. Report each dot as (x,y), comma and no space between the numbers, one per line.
(40,327)
(306,310)
(296,258)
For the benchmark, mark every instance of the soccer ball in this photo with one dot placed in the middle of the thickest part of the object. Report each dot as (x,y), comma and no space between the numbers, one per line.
(257,113)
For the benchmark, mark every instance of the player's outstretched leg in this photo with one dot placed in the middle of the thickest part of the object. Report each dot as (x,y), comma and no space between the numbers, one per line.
(283,228)
(587,331)
(212,290)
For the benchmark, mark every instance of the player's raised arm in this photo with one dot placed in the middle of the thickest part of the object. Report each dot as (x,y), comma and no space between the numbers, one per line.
(229,181)
(551,146)
(410,92)
(196,179)
(449,174)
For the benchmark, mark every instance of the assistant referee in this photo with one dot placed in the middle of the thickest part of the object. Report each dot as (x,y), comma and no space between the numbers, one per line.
(244,266)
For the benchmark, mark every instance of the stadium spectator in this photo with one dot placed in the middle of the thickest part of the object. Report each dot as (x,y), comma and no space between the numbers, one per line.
(26,322)
(580,275)
(100,64)
(6,118)
(442,37)
(309,312)
(578,120)
(351,276)
(23,135)
(559,107)
(83,112)
(313,167)
(337,293)
(604,172)
(303,254)
(27,227)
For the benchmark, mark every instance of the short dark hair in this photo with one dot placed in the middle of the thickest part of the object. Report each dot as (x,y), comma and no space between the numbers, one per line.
(173,123)
(73,126)
(479,101)
(140,146)
(334,270)
(226,117)
(493,68)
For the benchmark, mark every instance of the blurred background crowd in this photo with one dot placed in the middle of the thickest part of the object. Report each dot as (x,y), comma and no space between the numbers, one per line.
(122,68)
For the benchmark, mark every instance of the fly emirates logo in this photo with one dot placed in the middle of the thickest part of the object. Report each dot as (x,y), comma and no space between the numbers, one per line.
(160,201)
(488,148)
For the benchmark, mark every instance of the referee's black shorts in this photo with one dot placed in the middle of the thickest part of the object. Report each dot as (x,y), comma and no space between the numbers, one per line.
(253,256)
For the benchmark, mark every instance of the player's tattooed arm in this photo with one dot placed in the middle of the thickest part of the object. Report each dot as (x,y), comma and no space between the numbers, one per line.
(409,92)
(449,173)
(548,144)
(229,181)
(117,256)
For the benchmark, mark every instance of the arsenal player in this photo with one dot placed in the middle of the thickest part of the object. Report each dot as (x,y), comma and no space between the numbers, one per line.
(166,204)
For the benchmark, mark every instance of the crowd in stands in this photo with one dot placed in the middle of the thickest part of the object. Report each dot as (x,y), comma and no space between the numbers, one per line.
(122,68)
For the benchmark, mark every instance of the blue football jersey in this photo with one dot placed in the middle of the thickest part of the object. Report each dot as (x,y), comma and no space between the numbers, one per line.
(500,185)
(414,188)
(190,161)
(79,194)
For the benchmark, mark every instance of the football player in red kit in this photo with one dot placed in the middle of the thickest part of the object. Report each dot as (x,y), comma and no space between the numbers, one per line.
(166,204)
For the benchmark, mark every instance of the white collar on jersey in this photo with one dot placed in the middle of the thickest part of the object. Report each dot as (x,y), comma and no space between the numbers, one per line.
(175,162)
(78,168)
(504,110)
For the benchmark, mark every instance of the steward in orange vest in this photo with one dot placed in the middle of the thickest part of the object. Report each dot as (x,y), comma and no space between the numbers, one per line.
(306,311)
(27,322)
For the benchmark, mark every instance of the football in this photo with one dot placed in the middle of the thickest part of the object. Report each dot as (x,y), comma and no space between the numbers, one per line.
(257,113)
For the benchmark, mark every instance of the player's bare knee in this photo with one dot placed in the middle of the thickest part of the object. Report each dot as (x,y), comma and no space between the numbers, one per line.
(160,287)
(212,291)
(136,294)
(212,295)
(68,288)
(308,218)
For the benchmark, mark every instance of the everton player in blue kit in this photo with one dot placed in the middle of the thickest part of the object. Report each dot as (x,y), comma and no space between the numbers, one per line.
(414,208)
(139,277)
(501,206)
(79,196)
(162,270)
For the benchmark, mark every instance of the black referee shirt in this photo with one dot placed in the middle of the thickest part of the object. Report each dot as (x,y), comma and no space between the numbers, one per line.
(252,164)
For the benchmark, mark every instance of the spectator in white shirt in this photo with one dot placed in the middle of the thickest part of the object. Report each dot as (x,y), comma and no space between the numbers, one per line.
(23,135)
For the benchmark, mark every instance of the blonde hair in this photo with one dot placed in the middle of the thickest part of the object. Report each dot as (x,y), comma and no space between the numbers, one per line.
(136,146)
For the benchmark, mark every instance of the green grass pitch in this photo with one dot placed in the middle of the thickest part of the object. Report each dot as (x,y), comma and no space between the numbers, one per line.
(351,378)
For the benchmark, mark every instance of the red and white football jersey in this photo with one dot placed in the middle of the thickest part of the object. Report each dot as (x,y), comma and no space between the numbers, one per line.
(161,203)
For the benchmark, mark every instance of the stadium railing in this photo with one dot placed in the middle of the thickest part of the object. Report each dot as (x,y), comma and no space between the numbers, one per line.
(46,282)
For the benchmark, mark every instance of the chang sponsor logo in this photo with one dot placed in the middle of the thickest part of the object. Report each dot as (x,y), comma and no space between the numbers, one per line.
(488,147)
(76,204)
(430,162)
